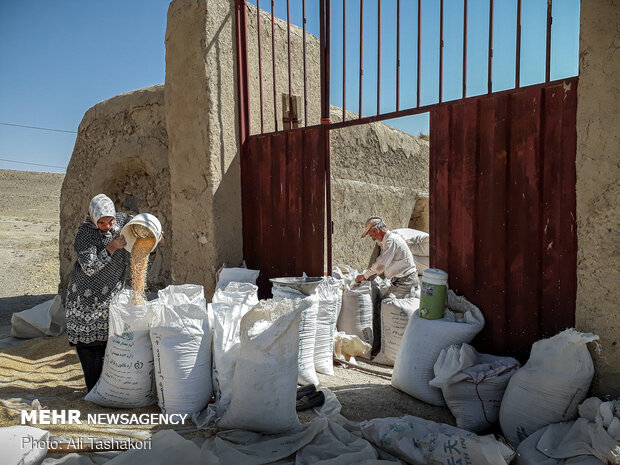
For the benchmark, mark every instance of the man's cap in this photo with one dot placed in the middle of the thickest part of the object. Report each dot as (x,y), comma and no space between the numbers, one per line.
(371,223)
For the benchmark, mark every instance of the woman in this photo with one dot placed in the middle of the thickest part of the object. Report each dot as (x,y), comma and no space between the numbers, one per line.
(97,276)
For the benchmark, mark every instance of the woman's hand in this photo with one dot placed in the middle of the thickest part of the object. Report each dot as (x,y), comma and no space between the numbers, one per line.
(117,243)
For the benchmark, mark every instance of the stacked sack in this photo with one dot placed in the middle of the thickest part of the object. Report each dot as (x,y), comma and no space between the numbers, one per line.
(424,340)
(473,384)
(395,316)
(418,242)
(549,387)
(163,344)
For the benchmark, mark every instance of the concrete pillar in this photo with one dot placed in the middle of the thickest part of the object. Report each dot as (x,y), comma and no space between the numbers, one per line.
(598,188)
(201,119)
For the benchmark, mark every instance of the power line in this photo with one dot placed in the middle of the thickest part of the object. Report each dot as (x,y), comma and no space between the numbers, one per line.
(35,164)
(35,127)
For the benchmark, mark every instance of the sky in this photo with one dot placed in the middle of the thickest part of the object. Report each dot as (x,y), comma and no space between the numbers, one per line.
(58,59)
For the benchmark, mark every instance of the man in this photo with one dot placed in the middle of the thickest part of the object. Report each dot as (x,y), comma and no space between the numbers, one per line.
(395,260)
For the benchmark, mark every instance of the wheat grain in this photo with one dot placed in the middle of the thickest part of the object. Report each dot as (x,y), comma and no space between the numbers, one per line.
(139,260)
(140,231)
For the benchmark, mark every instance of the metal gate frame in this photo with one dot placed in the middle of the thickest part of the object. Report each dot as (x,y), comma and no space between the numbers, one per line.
(511,325)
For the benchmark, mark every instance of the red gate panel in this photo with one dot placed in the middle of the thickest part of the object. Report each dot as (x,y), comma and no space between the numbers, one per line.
(502,210)
(283,198)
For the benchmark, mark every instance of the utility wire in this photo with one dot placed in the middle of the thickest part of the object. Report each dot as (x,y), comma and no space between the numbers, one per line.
(35,127)
(35,164)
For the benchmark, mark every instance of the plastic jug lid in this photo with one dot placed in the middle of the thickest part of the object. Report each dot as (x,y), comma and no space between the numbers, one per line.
(435,273)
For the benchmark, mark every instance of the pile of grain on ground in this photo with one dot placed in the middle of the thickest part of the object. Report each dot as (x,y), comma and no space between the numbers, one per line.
(48,369)
(139,263)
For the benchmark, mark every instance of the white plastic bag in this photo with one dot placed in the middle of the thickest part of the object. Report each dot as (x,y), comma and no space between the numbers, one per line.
(307,332)
(265,380)
(395,315)
(549,387)
(23,445)
(347,347)
(228,308)
(126,380)
(473,384)
(330,300)
(238,275)
(356,312)
(424,442)
(181,338)
(423,341)
(45,319)
(592,439)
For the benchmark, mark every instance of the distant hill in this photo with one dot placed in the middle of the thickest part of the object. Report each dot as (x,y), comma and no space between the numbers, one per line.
(30,193)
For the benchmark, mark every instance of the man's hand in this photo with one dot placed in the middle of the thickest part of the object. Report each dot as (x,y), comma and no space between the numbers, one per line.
(117,243)
(360,278)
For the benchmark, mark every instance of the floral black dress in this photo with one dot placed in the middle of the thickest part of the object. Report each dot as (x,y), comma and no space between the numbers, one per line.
(95,279)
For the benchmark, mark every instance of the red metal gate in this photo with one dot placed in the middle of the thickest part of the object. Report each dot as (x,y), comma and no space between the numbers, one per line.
(283,198)
(503,209)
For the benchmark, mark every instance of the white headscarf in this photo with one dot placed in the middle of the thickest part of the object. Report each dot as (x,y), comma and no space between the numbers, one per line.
(101,205)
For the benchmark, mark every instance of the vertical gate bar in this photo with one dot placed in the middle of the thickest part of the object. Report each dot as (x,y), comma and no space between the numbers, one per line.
(522,261)
(324,41)
(490,55)
(273,62)
(419,49)
(518,47)
(260,68)
(290,79)
(361,56)
(294,204)
(465,13)
(568,245)
(441,14)
(490,268)
(303,7)
(397,55)
(551,216)
(242,71)
(344,60)
(548,48)
(324,134)
(378,57)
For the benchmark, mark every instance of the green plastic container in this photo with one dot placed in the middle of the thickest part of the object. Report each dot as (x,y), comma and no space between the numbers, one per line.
(433,296)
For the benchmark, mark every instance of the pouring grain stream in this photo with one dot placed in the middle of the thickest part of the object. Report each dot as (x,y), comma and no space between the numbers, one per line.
(139,262)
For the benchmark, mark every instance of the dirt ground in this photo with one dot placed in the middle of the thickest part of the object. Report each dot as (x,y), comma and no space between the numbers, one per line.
(29,227)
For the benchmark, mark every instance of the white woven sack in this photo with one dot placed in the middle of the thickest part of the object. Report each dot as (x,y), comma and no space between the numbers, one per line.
(549,387)
(423,442)
(529,454)
(473,384)
(22,445)
(126,380)
(421,263)
(265,380)
(181,338)
(423,341)
(45,319)
(418,241)
(356,312)
(395,315)
(228,308)
(330,300)
(237,275)
(307,332)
